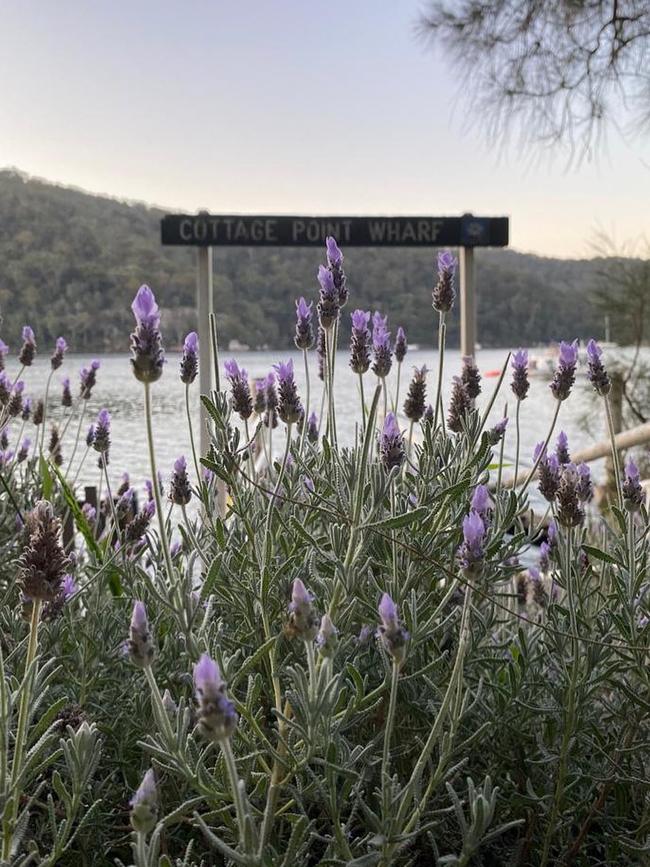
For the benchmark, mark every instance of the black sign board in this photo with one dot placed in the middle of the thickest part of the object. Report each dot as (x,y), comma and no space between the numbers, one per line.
(219,230)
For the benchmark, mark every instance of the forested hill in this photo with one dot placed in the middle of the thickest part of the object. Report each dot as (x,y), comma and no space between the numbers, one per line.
(70,263)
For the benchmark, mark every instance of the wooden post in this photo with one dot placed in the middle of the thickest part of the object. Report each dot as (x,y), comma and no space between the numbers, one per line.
(467,302)
(203,311)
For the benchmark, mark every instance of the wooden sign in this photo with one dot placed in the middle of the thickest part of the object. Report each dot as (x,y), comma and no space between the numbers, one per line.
(219,230)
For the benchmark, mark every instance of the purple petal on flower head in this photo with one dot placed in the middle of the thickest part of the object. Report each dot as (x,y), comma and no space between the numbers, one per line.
(147,792)
(500,426)
(61,344)
(26,444)
(447,261)
(284,370)
(180,465)
(473,529)
(481,500)
(104,418)
(584,471)
(387,610)
(391,427)
(28,334)
(326,279)
(379,321)
(19,387)
(553,463)
(232,369)
(539,449)
(632,471)
(145,309)
(149,508)
(65,382)
(520,359)
(139,617)
(299,593)
(308,483)
(334,254)
(191,343)
(552,532)
(269,382)
(68,586)
(568,353)
(401,334)
(360,320)
(593,350)
(380,338)
(303,310)
(95,364)
(562,441)
(207,677)
(534,573)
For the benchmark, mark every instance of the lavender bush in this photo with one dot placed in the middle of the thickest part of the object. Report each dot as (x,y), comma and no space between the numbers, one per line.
(320,653)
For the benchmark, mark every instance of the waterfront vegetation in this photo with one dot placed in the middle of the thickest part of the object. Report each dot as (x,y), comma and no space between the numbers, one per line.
(348,654)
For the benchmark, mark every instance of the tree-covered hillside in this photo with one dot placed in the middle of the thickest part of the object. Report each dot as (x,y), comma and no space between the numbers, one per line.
(70,263)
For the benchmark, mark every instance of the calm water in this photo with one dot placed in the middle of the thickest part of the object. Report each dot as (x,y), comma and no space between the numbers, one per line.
(118,390)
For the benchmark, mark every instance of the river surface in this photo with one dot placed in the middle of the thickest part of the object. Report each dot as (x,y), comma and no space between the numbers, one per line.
(119,391)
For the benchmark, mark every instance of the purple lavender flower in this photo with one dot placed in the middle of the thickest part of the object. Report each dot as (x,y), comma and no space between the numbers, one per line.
(549,472)
(520,383)
(146,342)
(471,553)
(39,413)
(585,486)
(414,405)
(443,292)
(27,408)
(43,563)
(360,342)
(125,485)
(569,511)
(427,418)
(309,484)
(259,404)
(562,449)
(5,388)
(271,394)
(460,405)
(23,451)
(290,409)
(335,262)
(28,349)
(144,805)
(401,345)
(138,526)
(471,377)
(303,620)
(633,493)
(190,359)
(15,405)
(217,717)
(180,491)
(68,587)
(544,557)
(327,638)
(390,632)
(482,501)
(596,373)
(140,646)
(60,350)
(88,379)
(391,443)
(102,439)
(242,402)
(565,373)
(552,535)
(90,435)
(304,337)
(328,305)
(496,433)
(66,394)
(383,353)
(54,446)
(4,349)
(312,428)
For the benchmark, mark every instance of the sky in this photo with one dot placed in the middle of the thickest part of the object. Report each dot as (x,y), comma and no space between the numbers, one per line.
(290,106)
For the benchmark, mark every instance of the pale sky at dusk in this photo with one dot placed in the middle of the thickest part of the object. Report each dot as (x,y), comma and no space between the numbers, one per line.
(282,107)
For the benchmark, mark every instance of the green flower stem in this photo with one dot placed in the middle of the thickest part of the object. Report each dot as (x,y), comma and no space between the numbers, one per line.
(239,798)
(569,721)
(116,522)
(409,447)
(305,418)
(156,486)
(45,399)
(162,718)
(190,426)
(615,455)
(385,390)
(518,442)
(249,452)
(363,401)
(21,732)
(632,556)
(76,439)
(192,535)
(442,332)
(396,401)
(393,541)
(331,413)
(388,731)
(311,667)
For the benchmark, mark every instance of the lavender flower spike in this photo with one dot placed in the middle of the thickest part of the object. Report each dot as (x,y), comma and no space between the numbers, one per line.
(401,346)
(414,405)
(312,428)
(146,342)
(242,402)
(88,379)
(28,349)
(459,405)
(304,337)
(471,553)
(289,407)
(327,638)
(180,491)
(520,382)
(190,359)
(217,717)
(633,493)
(102,439)
(383,354)
(303,620)
(562,448)
(335,263)
(565,373)
(596,373)
(471,377)
(391,443)
(140,646)
(360,342)
(144,805)
(392,635)
(60,349)
(328,304)
(443,292)
(66,394)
